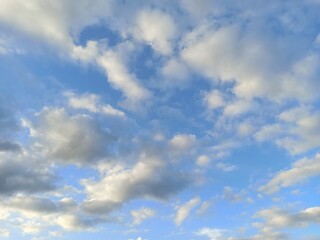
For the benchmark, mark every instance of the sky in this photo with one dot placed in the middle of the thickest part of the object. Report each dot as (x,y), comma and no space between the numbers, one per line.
(152,120)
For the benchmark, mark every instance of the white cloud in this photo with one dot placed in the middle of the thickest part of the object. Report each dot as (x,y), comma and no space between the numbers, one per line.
(174,74)
(198,9)
(247,59)
(294,114)
(87,54)
(184,210)
(72,222)
(204,207)
(275,218)
(31,227)
(211,233)
(268,132)
(296,130)
(238,107)
(300,171)
(4,232)
(85,101)
(53,23)
(226,167)
(214,99)
(181,143)
(203,160)
(156,28)
(141,215)
(114,64)
(245,128)
(303,135)
(32,13)
(222,149)
(92,103)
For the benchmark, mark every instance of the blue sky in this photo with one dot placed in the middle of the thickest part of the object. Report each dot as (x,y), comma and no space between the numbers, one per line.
(147,120)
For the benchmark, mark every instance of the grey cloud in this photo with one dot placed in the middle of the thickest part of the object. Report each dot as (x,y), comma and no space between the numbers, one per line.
(8,122)
(78,222)
(100,206)
(8,128)
(38,205)
(33,204)
(24,176)
(75,139)
(9,146)
(231,195)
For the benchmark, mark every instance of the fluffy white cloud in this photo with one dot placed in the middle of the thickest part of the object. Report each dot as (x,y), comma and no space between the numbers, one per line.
(157,28)
(247,59)
(184,210)
(300,171)
(87,54)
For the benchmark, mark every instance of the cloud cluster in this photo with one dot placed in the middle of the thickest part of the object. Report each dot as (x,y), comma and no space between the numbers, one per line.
(149,178)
